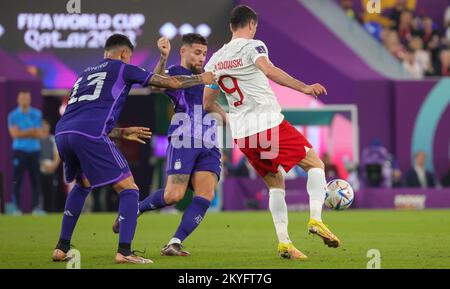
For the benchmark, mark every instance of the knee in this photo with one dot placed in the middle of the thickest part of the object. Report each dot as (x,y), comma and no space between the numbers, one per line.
(274,180)
(209,195)
(317,164)
(82,188)
(125,186)
(173,196)
(320,165)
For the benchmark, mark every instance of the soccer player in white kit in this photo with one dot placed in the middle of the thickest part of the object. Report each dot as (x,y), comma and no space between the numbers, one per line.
(243,70)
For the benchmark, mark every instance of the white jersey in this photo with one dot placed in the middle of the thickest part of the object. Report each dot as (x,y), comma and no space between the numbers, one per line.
(253,105)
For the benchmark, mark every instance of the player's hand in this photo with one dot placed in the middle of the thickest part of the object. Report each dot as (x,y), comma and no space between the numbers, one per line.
(315,90)
(137,134)
(36,133)
(164,46)
(208,78)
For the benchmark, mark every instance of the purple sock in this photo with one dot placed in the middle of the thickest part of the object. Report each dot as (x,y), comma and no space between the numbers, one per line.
(192,217)
(153,202)
(128,207)
(72,210)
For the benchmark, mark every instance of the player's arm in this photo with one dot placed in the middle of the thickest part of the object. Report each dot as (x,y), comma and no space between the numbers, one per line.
(16,132)
(283,78)
(211,105)
(136,75)
(56,159)
(164,47)
(181,81)
(137,134)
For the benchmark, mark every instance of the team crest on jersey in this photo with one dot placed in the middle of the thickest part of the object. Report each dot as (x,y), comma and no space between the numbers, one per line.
(177,165)
(261,49)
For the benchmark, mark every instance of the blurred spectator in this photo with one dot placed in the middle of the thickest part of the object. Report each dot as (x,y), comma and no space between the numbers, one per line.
(24,124)
(392,43)
(400,34)
(441,67)
(447,24)
(49,165)
(405,27)
(418,176)
(103,199)
(428,32)
(241,169)
(397,181)
(397,176)
(446,179)
(353,174)
(331,170)
(412,65)
(422,56)
(376,165)
(400,6)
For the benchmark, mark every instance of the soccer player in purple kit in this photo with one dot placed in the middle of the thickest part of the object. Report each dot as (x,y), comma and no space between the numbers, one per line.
(89,155)
(197,163)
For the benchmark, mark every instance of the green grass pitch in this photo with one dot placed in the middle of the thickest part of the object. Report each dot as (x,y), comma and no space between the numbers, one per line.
(405,239)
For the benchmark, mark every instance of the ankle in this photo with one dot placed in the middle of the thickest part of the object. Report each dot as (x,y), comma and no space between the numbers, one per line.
(63,245)
(124,249)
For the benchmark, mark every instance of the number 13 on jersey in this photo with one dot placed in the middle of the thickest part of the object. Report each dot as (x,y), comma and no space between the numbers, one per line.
(97,79)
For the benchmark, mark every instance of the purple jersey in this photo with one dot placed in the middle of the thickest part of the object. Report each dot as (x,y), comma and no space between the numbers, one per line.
(98,96)
(190,102)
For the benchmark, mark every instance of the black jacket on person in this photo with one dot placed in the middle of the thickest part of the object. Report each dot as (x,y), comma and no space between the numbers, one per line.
(412,180)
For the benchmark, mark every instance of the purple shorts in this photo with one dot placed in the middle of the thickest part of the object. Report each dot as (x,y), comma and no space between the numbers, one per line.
(97,160)
(186,161)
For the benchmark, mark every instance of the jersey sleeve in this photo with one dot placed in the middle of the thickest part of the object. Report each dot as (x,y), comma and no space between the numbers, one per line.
(136,75)
(256,49)
(214,86)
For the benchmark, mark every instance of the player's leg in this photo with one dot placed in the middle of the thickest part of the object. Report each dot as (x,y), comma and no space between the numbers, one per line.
(180,162)
(316,183)
(128,207)
(19,169)
(274,181)
(266,160)
(72,210)
(277,204)
(173,192)
(203,183)
(101,163)
(35,179)
(75,199)
(316,189)
(279,211)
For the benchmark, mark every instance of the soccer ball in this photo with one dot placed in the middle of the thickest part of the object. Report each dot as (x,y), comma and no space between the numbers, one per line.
(338,195)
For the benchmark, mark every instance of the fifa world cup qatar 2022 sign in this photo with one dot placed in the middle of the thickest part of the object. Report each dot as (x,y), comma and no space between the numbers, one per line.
(58,40)
(60,30)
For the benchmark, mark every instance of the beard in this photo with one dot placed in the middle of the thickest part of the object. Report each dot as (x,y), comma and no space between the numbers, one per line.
(195,69)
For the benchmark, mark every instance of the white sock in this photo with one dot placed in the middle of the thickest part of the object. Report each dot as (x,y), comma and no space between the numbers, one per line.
(174,241)
(278,208)
(316,190)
